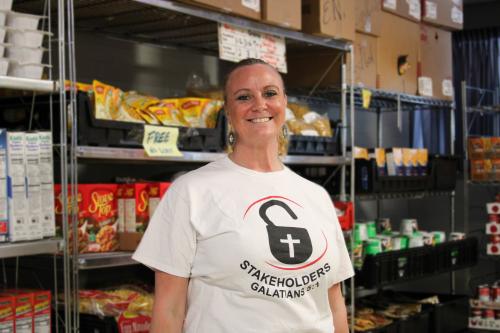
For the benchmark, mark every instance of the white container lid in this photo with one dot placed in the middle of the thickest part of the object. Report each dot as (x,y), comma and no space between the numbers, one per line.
(5,4)
(23,20)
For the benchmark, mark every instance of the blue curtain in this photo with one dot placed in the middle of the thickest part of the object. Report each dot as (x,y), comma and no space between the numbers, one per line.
(431,130)
(476,60)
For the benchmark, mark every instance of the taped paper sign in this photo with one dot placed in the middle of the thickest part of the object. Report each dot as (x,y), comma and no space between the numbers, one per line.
(161,141)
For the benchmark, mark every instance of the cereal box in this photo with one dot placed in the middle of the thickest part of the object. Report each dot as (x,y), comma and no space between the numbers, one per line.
(47,184)
(120,191)
(32,167)
(163,188)
(42,308)
(4,214)
(97,216)
(136,207)
(16,187)
(24,307)
(7,314)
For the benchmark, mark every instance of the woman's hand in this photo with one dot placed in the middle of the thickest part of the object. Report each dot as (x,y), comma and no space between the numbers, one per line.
(339,312)
(170,302)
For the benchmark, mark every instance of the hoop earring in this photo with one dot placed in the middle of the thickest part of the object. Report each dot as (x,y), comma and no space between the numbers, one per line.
(231,138)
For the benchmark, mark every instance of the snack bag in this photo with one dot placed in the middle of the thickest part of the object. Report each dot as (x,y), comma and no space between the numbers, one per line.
(319,122)
(168,113)
(407,161)
(299,110)
(300,127)
(140,104)
(209,113)
(191,109)
(381,161)
(476,148)
(422,161)
(107,101)
(361,153)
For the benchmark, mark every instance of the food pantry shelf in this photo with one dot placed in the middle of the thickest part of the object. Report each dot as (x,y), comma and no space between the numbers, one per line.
(108,153)
(483,183)
(46,246)
(103,260)
(9,82)
(404,195)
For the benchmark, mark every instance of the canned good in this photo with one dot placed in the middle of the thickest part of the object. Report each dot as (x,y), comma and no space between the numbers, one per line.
(457,236)
(408,226)
(373,246)
(476,313)
(495,239)
(483,292)
(371,227)
(428,238)
(439,237)
(488,314)
(399,242)
(384,225)
(495,293)
(493,217)
(416,240)
(360,232)
(386,242)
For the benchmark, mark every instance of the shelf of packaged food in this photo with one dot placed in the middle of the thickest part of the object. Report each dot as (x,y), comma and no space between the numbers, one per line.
(403,195)
(110,153)
(9,82)
(29,248)
(104,260)
(476,303)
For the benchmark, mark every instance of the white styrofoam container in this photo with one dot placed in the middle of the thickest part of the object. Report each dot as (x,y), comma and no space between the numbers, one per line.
(24,54)
(27,38)
(27,71)
(4,66)
(22,21)
(5,4)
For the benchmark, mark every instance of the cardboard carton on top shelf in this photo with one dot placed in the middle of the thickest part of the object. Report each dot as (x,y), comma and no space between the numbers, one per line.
(367,17)
(447,14)
(408,9)
(304,70)
(246,8)
(285,13)
(435,61)
(332,18)
(398,45)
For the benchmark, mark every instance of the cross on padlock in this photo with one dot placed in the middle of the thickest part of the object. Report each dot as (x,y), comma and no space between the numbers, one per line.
(289,245)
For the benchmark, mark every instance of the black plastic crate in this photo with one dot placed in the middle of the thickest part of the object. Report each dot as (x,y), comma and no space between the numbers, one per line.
(368,180)
(419,323)
(395,266)
(96,324)
(444,172)
(454,255)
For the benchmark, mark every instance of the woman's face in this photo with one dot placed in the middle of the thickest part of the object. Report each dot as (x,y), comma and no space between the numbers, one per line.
(255,104)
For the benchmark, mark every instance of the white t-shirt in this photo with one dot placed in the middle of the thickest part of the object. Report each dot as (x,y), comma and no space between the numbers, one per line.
(261,249)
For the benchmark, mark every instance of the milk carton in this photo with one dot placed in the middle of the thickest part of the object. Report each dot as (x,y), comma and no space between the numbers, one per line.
(47,184)
(32,166)
(16,187)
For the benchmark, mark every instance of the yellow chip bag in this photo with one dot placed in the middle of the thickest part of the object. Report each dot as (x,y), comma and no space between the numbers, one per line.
(191,108)
(168,113)
(107,101)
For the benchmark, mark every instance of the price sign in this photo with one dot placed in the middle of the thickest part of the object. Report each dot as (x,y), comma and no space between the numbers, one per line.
(236,44)
(160,141)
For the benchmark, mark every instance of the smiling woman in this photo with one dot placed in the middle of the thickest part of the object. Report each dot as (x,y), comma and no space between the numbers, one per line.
(244,244)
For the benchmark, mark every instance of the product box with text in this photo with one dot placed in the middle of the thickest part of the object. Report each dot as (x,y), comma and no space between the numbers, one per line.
(7,314)
(136,207)
(24,310)
(33,187)
(47,184)
(16,187)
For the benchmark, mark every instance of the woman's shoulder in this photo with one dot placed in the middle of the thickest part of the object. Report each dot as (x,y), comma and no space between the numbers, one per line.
(200,177)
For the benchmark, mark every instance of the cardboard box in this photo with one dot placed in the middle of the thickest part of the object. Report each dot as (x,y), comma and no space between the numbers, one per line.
(4,213)
(447,14)
(136,207)
(120,197)
(24,303)
(367,17)
(47,184)
(7,314)
(285,13)
(246,8)
(42,318)
(332,18)
(408,9)
(129,241)
(365,61)
(32,165)
(16,176)
(435,63)
(399,41)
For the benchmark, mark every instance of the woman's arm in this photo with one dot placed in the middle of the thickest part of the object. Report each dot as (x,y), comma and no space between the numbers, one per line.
(339,311)
(170,301)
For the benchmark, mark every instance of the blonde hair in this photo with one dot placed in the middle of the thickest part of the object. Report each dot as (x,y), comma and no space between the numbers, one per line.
(282,139)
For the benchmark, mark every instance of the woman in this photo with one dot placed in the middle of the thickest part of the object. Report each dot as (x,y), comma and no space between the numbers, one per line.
(243,244)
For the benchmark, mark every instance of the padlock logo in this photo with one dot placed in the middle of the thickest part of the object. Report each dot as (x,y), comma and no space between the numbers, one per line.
(289,245)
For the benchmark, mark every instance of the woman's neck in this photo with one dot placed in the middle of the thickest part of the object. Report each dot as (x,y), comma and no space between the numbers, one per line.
(258,159)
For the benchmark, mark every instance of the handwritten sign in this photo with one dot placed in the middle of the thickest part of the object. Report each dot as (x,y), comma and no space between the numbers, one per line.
(236,44)
(160,141)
